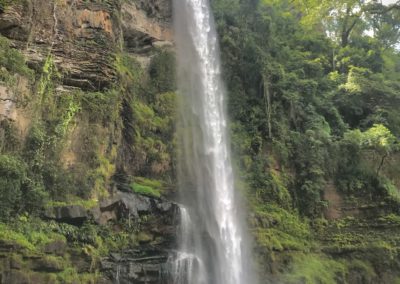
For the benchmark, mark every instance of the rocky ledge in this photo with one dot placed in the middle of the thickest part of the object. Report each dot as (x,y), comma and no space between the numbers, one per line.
(149,263)
(154,223)
(84,36)
(137,266)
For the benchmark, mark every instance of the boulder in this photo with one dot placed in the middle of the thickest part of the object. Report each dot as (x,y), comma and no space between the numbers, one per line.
(133,266)
(157,221)
(130,205)
(71,214)
(146,23)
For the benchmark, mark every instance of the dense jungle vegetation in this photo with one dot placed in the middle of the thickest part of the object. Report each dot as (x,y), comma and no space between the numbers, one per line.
(314,100)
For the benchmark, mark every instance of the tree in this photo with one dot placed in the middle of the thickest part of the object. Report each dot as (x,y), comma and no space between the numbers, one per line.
(339,18)
(385,23)
(381,140)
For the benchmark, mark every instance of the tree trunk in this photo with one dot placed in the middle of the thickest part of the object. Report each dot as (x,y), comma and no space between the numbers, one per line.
(268,107)
(381,164)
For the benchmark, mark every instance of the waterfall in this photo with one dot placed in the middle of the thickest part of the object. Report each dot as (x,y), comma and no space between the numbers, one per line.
(214,248)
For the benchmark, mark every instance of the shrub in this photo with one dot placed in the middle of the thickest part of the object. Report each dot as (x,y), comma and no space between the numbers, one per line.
(10,58)
(9,139)
(9,235)
(4,4)
(101,107)
(12,177)
(162,72)
(315,269)
(145,190)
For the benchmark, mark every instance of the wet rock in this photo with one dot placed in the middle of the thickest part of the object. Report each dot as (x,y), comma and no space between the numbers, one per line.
(48,264)
(14,277)
(103,217)
(71,214)
(145,23)
(56,247)
(9,246)
(84,36)
(11,100)
(133,267)
(13,24)
(130,205)
(116,256)
(81,35)
(80,260)
(160,10)
(15,263)
(157,238)
(164,206)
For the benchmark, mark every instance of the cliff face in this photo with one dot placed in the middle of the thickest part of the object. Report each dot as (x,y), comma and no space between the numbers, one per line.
(83,40)
(88,93)
(83,36)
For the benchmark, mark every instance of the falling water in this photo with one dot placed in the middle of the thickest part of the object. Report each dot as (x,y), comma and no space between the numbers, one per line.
(213,247)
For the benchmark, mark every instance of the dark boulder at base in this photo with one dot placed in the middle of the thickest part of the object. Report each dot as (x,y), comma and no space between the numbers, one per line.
(138,267)
(157,219)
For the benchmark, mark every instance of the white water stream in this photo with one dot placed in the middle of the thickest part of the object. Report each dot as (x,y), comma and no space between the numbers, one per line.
(213,247)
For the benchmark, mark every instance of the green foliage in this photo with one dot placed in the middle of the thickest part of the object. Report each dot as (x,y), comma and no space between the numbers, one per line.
(162,72)
(101,176)
(360,172)
(152,188)
(100,106)
(11,60)
(129,71)
(148,116)
(279,229)
(8,235)
(362,267)
(291,84)
(34,151)
(271,187)
(46,85)
(313,99)
(62,127)
(313,269)
(390,219)
(145,190)
(380,138)
(5,3)
(30,233)
(149,182)
(12,178)
(390,189)
(69,275)
(9,138)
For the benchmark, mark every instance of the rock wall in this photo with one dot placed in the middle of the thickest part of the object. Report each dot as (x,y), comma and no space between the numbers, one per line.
(84,39)
(84,35)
